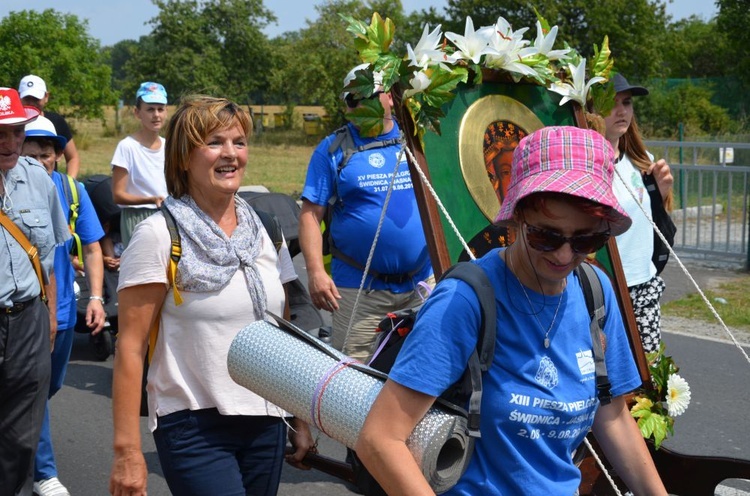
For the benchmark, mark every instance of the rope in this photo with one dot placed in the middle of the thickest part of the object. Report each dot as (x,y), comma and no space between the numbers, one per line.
(374,242)
(447,216)
(602,467)
(685,270)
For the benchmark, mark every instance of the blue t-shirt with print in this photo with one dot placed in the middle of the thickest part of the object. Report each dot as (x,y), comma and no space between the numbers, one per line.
(90,231)
(538,403)
(361,188)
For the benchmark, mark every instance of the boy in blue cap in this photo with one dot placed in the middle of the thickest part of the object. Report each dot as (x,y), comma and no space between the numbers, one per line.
(138,183)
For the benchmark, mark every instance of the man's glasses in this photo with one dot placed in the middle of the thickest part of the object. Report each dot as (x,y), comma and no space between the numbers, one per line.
(352,102)
(582,244)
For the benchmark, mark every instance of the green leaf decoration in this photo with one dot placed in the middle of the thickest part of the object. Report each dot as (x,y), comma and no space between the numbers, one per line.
(646,424)
(390,66)
(442,84)
(376,40)
(381,32)
(542,21)
(368,117)
(603,98)
(362,85)
(642,405)
(603,62)
(659,429)
(650,410)
(355,26)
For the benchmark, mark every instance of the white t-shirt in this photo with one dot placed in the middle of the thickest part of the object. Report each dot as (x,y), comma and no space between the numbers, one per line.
(636,245)
(145,169)
(189,366)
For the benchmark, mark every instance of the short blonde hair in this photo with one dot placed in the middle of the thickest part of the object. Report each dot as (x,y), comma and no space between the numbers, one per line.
(197,117)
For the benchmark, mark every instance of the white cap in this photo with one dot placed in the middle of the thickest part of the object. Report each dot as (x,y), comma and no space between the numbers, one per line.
(44,128)
(32,85)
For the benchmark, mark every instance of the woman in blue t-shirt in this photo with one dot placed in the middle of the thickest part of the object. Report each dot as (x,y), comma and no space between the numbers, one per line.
(539,398)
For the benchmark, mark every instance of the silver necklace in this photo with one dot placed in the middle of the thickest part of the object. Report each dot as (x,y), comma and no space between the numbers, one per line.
(531,306)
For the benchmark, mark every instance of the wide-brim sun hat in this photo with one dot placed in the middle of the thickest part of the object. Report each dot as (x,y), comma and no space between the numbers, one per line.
(564,159)
(12,111)
(41,127)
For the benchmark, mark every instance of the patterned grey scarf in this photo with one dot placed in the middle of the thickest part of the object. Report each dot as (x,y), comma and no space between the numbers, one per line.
(210,258)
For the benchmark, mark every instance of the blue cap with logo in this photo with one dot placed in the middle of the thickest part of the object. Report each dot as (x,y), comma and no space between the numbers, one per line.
(152,93)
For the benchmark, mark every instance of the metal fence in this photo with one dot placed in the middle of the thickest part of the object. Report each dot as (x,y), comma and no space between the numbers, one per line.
(712,197)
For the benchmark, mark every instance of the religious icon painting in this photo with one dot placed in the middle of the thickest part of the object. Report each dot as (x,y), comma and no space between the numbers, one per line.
(482,127)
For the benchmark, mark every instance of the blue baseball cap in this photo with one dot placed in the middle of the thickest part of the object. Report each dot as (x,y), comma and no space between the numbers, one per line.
(152,93)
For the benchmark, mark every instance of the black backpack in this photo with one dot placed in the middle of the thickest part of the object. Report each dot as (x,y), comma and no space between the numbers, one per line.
(468,390)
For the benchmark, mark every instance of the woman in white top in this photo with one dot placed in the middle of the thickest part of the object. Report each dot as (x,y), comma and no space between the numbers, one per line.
(212,435)
(636,246)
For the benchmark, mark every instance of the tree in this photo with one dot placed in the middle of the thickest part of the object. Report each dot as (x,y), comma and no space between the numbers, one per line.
(696,49)
(662,111)
(214,47)
(316,60)
(118,56)
(733,19)
(57,48)
(635,27)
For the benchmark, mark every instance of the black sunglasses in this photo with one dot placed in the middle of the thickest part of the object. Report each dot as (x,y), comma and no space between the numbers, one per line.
(582,244)
(352,102)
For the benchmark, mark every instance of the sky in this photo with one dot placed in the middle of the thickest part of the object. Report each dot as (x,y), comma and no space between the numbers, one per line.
(111,21)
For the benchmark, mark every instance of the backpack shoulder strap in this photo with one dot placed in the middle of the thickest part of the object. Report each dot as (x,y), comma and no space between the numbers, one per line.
(481,358)
(272,226)
(594,296)
(473,275)
(344,141)
(71,194)
(175,253)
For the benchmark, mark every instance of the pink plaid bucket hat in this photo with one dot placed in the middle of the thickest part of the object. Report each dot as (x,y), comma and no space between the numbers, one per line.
(564,159)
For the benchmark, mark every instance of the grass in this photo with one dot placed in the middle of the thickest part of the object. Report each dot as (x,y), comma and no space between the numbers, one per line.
(731,300)
(277,160)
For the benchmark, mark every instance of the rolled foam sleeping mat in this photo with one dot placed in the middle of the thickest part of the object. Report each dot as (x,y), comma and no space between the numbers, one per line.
(326,389)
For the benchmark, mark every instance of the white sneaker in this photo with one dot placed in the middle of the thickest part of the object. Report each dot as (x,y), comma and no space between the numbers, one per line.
(50,487)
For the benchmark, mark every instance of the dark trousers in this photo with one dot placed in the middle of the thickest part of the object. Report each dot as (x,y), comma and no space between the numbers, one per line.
(203,452)
(24,385)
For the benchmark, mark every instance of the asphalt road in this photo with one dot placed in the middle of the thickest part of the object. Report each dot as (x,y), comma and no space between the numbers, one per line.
(82,435)
(715,424)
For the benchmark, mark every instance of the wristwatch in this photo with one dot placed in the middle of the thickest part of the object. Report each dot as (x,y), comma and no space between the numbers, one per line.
(97,298)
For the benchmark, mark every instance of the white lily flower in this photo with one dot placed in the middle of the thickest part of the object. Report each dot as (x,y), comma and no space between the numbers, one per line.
(504,33)
(427,51)
(577,91)
(544,44)
(473,44)
(678,395)
(419,83)
(509,49)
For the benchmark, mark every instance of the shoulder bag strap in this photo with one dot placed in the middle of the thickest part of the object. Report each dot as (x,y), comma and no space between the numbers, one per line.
(30,249)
